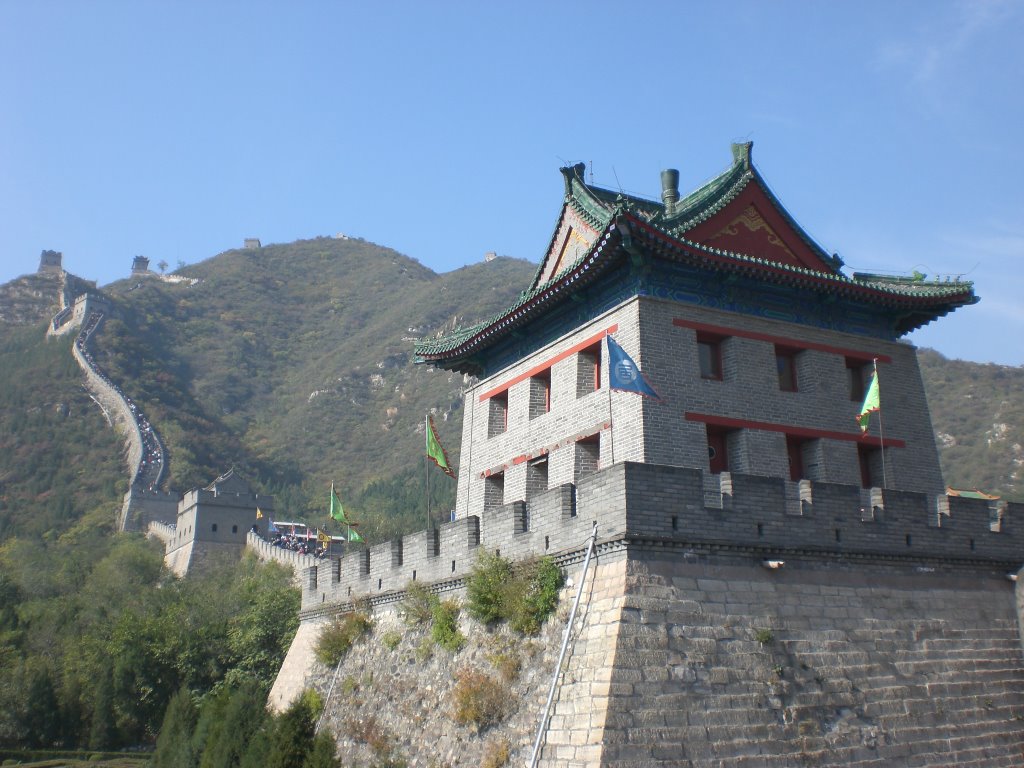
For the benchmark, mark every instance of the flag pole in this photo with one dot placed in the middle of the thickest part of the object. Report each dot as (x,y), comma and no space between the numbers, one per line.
(611,426)
(881,431)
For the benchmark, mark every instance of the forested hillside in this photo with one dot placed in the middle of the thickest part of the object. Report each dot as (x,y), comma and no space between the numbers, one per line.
(291,363)
(978,416)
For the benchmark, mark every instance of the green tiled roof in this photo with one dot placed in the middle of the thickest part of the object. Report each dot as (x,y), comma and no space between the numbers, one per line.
(616,216)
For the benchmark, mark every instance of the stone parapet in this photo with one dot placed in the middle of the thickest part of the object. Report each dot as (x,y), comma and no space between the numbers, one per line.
(633,502)
(267,552)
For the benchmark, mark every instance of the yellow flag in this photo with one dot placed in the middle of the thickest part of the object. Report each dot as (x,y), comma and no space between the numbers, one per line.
(259,513)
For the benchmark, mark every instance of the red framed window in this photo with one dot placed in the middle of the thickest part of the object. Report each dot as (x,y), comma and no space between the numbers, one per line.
(588,370)
(718,450)
(540,393)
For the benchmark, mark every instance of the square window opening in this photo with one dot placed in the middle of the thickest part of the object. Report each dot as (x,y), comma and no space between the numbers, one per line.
(497,414)
(857,371)
(588,370)
(785,365)
(709,356)
(540,393)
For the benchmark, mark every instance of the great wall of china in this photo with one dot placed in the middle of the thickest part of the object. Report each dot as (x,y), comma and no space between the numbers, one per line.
(727,618)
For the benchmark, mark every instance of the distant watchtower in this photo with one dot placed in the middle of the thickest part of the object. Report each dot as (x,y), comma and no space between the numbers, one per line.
(50,261)
(252,244)
(140,265)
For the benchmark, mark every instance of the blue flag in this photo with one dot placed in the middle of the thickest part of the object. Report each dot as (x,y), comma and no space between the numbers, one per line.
(624,374)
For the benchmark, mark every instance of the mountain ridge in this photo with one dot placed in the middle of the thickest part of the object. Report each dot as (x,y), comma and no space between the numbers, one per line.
(293,363)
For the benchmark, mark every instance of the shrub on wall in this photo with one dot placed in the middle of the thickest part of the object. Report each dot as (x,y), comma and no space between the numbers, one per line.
(445,627)
(337,638)
(418,603)
(488,588)
(524,596)
(542,580)
(480,700)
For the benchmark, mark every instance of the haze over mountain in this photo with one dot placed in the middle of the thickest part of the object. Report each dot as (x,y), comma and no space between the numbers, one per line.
(293,364)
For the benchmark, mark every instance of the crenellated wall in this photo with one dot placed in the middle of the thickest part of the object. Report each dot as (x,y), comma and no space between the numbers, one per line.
(687,508)
(732,620)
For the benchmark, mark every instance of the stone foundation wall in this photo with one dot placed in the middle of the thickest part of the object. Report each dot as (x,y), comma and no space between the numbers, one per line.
(685,661)
(728,663)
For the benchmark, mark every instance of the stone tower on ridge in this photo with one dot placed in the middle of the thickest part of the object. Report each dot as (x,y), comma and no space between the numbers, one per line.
(50,262)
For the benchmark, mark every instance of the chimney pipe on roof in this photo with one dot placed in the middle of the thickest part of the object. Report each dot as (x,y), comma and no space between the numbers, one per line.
(670,190)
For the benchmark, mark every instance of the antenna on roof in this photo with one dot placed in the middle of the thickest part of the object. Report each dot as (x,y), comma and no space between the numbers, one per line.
(591,163)
(617,183)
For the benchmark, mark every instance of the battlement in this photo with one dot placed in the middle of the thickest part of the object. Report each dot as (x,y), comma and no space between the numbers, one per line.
(74,315)
(676,507)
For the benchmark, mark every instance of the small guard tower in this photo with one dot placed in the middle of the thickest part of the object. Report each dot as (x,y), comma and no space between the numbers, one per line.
(50,262)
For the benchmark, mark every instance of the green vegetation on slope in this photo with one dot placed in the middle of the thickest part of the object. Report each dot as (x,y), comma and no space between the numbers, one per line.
(58,455)
(293,363)
(978,416)
(95,637)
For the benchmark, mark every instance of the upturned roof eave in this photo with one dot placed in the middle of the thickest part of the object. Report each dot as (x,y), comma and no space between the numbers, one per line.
(720,258)
(924,307)
(581,273)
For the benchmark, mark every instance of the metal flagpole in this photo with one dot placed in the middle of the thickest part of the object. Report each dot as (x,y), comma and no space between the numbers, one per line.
(611,426)
(881,431)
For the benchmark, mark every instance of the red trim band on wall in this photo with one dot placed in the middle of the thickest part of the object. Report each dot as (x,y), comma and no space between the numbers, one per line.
(721,330)
(548,363)
(574,438)
(853,437)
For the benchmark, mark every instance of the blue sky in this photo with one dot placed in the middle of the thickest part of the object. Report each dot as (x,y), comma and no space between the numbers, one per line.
(891,131)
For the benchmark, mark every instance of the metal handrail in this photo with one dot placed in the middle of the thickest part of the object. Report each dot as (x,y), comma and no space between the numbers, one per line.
(561,656)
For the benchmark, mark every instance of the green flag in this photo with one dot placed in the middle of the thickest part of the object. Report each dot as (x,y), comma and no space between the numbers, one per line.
(871,402)
(337,511)
(435,452)
(353,535)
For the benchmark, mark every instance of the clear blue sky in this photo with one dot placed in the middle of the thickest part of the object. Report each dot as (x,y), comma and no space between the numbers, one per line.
(890,130)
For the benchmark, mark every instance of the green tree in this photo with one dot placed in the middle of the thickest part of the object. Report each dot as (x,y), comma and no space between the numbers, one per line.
(174,745)
(292,738)
(102,725)
(243,714)
(322,755)
(487,587)
(41,726)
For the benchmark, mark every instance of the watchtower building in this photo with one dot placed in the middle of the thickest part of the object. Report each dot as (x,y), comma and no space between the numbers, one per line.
(770,585)
(140,265)
(50,261)
(213,522)
(757,342)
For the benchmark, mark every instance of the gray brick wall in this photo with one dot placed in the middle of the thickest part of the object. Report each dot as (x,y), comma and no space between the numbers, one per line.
(769,517)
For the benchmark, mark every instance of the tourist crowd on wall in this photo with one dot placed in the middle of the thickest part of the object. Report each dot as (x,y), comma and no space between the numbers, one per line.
(298,544)
(151,464)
